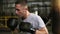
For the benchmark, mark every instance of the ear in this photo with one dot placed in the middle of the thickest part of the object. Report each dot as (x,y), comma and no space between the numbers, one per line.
(26,8)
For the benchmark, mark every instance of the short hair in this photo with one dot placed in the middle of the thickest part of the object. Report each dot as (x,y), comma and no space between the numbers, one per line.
(23,2)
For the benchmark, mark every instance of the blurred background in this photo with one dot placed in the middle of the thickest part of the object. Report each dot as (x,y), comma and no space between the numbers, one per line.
(43,8)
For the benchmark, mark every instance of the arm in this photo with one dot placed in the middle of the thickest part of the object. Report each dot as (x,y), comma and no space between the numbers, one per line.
(42,31)
(41,27)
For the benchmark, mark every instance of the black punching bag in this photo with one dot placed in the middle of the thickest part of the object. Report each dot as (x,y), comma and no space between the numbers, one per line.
(12,23)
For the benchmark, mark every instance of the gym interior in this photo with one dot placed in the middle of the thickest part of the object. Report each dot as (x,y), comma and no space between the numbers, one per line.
(49,10)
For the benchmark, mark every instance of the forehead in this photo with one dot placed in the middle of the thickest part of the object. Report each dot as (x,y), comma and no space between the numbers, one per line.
(18,6)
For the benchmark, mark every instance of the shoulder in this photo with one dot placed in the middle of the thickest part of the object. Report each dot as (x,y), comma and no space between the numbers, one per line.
(34,16)
(37,18)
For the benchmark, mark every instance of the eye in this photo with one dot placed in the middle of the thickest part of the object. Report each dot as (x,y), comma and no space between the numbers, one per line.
(17,9)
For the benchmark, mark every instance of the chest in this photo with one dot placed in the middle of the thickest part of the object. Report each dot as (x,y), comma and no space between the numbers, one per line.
(33,22)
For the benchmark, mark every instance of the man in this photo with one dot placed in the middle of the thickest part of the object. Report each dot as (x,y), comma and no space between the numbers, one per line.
(35,20)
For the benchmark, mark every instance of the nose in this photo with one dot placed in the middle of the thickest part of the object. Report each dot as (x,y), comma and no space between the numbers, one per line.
(16,12)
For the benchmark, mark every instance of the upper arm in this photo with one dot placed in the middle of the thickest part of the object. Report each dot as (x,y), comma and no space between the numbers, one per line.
(42,28)
(40,22)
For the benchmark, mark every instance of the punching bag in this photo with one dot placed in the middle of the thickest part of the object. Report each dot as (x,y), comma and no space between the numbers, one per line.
(56,16)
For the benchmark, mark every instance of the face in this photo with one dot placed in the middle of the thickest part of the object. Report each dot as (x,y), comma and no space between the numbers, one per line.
(20,10)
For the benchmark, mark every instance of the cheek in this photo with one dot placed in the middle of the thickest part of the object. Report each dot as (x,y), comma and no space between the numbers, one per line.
(17,12)
(24,11)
